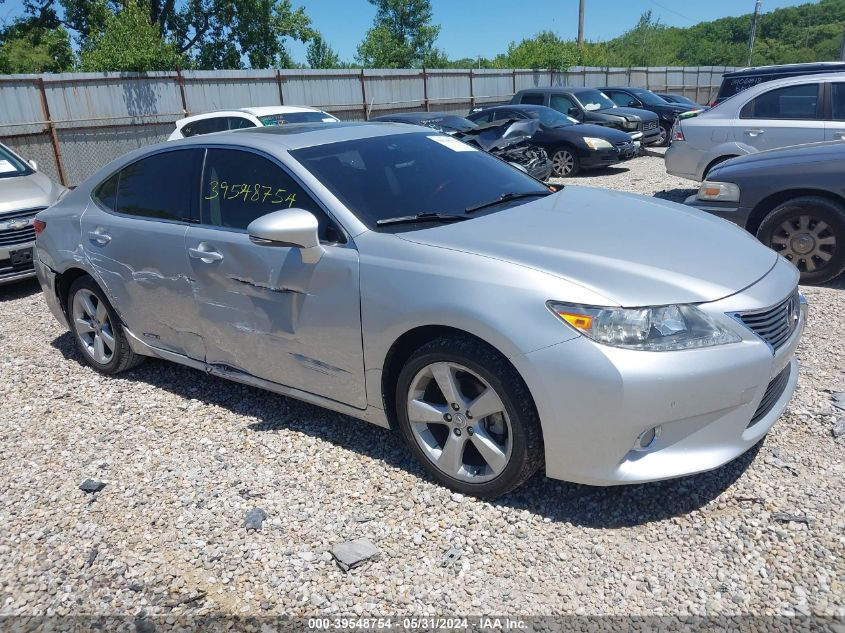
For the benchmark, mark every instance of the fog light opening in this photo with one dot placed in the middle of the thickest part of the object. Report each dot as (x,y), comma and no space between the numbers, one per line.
(647,438)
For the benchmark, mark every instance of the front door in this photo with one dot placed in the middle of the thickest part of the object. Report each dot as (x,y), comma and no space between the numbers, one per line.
(263,310)
(782,117)
(133,237)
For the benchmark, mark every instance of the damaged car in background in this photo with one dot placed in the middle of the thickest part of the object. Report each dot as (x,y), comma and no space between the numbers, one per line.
(573,146)
(400,276)
(512,141)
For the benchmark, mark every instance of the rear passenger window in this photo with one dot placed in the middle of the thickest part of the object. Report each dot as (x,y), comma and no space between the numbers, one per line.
(106,193)
(238,187)
(791,102)
(532,99)
(239,123)
(162,186)
(206,126)
(838,101)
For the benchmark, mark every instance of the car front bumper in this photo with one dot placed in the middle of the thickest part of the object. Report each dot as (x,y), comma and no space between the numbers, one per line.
(596,401)
(728,210)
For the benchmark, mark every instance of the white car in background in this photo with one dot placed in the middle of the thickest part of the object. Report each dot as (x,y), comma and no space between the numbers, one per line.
(223,120)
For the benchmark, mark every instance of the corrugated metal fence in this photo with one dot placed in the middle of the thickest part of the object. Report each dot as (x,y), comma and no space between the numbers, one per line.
(73,123)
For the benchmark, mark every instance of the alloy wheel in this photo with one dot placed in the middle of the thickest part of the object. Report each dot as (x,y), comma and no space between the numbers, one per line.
(93,326)
(563,162)
(459,422)
(806,241)
(663,136)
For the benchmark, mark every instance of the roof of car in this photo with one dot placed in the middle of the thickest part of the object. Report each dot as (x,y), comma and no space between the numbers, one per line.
(414,116)
(256,112)
(293,136)
(788,68)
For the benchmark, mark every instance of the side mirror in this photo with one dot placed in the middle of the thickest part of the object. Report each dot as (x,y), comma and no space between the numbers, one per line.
(574,112)
(295,228)
(32,164)
(634,104)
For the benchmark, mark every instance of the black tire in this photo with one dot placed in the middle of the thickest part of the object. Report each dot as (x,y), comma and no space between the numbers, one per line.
(526,454)
(667,136)
(122,357)
(815,212)
(565,156)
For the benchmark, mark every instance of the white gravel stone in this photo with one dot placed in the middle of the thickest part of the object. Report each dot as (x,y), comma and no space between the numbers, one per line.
(184,452)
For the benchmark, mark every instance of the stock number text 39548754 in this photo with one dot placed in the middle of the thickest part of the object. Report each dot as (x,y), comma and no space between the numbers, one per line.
(255,192)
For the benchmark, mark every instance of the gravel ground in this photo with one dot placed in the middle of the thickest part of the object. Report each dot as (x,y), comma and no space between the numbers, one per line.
(184,457)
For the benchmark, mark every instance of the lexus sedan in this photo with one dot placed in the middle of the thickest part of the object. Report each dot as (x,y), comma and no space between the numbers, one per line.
(399,276)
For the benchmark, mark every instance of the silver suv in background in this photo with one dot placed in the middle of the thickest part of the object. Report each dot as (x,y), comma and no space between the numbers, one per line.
(771,115)
(24,191)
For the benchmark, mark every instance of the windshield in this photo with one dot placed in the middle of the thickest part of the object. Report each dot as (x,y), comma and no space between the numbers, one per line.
(448,123)
(594,100)
(649,98)
(552,118)
(11,165)
(409,174)
(296,117)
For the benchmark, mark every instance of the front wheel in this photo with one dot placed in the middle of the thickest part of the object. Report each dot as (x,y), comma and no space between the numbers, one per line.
(97,330)
(810,232)
(468,417)
(565,163)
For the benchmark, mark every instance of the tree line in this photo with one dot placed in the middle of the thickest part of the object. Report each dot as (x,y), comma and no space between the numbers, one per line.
(145,35)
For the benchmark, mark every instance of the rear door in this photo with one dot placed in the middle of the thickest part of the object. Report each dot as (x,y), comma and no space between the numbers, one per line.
(835,126)
(133,235)
(263,310)
(781,117)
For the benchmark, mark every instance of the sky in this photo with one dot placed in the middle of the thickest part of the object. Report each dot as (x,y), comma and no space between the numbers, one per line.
(470,28)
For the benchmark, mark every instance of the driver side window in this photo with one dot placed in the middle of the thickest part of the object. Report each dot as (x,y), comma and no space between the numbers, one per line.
(619,98)
(238,187)
(562,104)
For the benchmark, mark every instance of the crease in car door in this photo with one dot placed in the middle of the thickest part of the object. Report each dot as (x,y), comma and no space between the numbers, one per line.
(133,236)
(263,310)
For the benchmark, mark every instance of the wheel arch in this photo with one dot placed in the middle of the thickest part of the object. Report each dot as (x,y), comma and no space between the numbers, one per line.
(64,280)
(409,342)
(768,204)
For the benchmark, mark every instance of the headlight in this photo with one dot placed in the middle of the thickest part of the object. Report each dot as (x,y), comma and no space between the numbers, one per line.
(721,191)
(630,125)
(658,329)
(597,143)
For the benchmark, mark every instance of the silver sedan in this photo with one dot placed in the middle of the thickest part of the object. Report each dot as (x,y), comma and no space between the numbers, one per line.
(394,274)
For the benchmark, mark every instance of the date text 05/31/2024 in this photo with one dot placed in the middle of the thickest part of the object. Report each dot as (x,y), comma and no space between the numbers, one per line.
(419,623)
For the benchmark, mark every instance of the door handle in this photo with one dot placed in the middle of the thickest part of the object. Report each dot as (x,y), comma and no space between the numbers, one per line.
(755,132)
(99,236)
(205,253)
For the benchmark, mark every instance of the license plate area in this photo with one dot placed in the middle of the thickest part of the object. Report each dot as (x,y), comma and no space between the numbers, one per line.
(21,258)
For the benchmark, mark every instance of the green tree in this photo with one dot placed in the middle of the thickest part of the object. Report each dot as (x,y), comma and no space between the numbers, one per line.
(129,42)
(402,35)
(320,54)
(28,48)
(545,50)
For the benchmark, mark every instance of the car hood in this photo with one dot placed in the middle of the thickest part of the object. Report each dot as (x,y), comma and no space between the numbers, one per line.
(27,192)
(633,250)
(632,114)
(783,157)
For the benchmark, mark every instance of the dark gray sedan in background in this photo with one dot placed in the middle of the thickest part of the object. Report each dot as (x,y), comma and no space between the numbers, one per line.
(792,199)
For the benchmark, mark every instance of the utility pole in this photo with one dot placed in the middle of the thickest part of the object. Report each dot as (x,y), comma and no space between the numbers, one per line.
(581,23)
(753,30)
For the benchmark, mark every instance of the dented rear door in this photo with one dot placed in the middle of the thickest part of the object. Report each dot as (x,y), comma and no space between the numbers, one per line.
(263,310)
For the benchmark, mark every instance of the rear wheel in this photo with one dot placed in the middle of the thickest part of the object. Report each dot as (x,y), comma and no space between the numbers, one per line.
(565,163)
(97,330)
(468,417)
(810,232)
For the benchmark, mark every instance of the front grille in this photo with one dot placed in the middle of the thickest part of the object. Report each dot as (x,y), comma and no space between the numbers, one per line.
(773,393)
(11,234)
(649,125)
(21,236)
(774,325)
